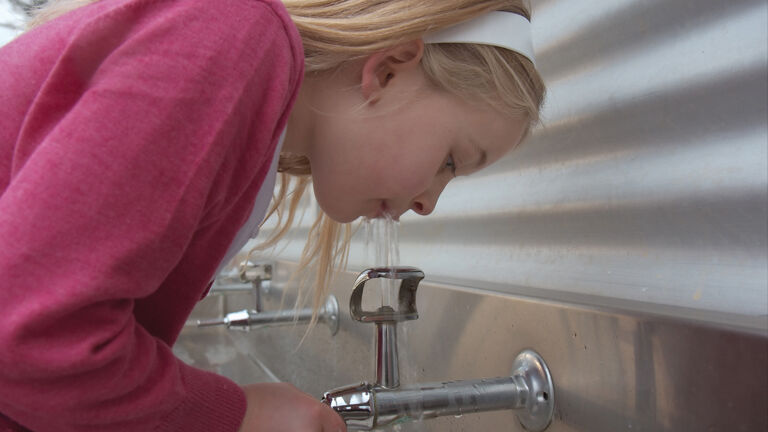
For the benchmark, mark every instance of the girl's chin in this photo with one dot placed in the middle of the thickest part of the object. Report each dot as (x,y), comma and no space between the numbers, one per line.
(340,215)
(342,218)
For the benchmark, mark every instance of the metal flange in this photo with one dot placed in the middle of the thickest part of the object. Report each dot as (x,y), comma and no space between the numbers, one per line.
(540,403)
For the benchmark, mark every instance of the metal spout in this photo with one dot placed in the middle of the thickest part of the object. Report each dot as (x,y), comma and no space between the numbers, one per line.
(355,404)
(386,318)
(246,319)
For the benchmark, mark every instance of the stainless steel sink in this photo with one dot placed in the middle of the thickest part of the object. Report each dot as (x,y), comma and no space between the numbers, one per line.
(216,349)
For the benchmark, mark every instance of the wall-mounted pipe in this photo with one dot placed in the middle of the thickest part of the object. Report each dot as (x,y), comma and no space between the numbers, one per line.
(247,319)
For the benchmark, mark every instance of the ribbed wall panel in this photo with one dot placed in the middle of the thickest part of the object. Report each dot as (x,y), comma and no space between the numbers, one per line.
(648,180)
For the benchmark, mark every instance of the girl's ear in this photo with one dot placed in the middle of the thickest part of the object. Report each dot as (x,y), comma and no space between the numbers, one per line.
(382,67)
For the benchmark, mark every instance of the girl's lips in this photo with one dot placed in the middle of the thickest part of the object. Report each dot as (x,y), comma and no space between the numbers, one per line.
(385,211)
(382,212)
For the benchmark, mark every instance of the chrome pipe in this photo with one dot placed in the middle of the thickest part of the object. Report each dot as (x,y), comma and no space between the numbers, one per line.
(387,365)
(226,288)
(246,319)
(529,391)
(453,398)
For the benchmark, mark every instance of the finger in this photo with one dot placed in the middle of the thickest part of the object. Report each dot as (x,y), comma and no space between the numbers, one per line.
(337,428)
(333,420)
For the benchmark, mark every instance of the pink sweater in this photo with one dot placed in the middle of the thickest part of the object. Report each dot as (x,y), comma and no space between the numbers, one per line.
(134,137)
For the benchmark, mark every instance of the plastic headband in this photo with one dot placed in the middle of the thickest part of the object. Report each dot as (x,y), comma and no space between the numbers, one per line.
(502,29)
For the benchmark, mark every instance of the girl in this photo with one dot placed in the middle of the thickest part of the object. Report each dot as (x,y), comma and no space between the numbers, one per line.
(139,141)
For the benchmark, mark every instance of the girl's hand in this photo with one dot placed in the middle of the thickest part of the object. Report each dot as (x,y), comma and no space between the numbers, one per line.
(281,407)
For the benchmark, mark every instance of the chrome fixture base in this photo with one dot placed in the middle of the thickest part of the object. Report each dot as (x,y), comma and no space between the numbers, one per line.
(329,314)
(540,403)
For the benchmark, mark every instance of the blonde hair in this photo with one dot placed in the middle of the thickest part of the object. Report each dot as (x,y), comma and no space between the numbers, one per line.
(335,32)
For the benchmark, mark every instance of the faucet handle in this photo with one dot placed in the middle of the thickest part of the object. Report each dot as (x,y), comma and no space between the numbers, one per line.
(406,298)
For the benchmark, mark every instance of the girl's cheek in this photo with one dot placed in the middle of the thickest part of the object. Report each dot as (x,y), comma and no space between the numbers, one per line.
(416,182)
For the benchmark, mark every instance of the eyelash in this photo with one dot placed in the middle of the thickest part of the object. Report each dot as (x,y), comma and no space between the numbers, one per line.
(451,164)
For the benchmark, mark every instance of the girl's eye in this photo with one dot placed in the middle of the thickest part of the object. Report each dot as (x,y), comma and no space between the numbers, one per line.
(450,164)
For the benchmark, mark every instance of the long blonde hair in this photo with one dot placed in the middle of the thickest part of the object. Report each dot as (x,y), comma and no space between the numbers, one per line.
(335,32)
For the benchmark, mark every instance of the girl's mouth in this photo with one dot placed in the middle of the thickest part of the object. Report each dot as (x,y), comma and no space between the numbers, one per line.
(386,212)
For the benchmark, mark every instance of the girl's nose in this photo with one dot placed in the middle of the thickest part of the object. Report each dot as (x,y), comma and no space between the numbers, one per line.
(425,203)
(422,207)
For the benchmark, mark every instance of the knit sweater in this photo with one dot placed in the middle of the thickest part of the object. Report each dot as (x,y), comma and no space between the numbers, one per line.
(134,138)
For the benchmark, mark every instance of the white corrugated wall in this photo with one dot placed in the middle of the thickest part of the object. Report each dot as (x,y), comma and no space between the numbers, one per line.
(648,179)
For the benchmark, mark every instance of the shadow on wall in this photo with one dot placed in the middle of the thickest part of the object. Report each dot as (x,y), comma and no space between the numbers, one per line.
(682,116)
(640,23)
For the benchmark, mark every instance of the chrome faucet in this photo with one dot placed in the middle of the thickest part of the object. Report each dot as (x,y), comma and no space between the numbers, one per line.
(247,319)
(249,277)
(253,278)
(385,318)
(366,406)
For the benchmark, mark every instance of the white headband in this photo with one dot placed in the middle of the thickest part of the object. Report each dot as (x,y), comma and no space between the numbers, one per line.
(503,29)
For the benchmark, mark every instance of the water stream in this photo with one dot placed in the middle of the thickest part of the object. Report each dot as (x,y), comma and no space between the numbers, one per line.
(382,249)
(381,235)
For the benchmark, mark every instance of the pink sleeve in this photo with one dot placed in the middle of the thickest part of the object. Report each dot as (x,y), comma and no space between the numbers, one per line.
(122,163)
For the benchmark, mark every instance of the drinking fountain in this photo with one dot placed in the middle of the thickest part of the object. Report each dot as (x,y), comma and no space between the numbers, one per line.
(528,389)
(248,277)
(247,319)
(253,278)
